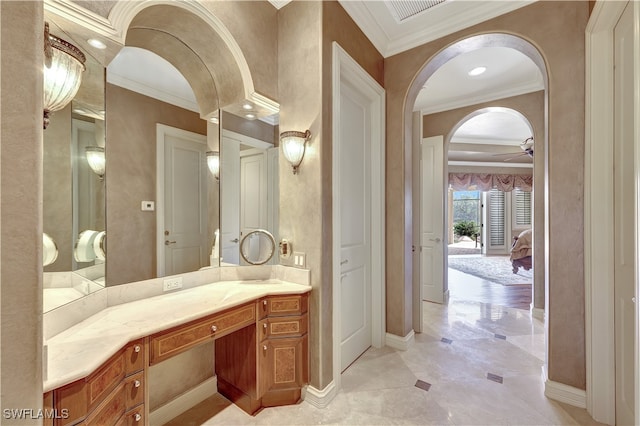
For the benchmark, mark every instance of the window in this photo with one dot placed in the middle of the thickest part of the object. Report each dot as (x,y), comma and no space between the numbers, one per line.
(521,209)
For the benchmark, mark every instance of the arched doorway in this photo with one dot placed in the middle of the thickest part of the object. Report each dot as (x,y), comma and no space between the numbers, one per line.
(489,194)
(429,69)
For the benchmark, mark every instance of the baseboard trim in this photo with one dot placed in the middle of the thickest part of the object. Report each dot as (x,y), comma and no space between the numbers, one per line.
(400,343)
(183,402)
(537,313)
(320,398)
(563,393)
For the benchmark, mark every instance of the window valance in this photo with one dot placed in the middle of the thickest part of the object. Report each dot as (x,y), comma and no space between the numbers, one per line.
(487,182)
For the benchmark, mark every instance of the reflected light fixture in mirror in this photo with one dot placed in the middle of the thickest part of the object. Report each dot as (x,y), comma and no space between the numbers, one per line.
(96,160)
(213,161)
(63,68)
(293,147)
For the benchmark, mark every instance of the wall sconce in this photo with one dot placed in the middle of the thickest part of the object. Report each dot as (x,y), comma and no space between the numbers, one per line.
(63,67)
(293,147)
(213,161)
(96,160)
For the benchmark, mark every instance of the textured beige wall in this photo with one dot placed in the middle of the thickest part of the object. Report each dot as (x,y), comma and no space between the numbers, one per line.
(131,178)
(531,105)
(559,35)
(172,377)
(57,203)
(21,59)
(301,209)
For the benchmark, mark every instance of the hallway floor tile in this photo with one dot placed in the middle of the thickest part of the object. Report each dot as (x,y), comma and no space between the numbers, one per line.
(380,387)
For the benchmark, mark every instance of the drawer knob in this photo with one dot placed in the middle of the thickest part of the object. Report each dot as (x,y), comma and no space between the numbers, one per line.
(264,347)
(214,328)
(136,348)
(264,325)
(137,417)
(264,302)
(136,384)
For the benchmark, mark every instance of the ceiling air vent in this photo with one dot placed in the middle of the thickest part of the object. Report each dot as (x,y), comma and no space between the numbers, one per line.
(405,9)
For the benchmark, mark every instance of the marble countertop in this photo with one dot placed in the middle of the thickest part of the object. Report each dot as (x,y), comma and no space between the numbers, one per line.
(80,350)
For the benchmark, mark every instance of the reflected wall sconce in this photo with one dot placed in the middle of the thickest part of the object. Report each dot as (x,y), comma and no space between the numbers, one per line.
(63,67)
(96,160)
(293,146)
(213,161)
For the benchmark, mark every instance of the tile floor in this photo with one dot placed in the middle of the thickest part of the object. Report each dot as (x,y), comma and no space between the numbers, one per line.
(474,364)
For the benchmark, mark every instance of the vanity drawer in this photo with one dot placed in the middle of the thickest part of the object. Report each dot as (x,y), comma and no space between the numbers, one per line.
(134,389)
(283,305)
(133,417)
(81,397)
(134,354)
(167,344)
(291,326)
(110,411)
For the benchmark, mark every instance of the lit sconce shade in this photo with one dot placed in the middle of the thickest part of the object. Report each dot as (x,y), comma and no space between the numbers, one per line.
(293,147)
(213,161)
(96,160)
(63,67)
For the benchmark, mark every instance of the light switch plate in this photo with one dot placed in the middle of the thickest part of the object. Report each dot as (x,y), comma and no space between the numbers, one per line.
(148,206)
(299,259)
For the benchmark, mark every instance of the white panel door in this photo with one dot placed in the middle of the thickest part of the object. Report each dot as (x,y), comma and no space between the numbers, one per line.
(624,240)
(432,219)
(355,225)
(230,201)
(253,192)
(185,204)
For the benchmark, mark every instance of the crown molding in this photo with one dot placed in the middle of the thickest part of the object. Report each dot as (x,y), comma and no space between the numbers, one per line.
(83,17)
(490,164)
(279,4)
(461,102)
(389,45)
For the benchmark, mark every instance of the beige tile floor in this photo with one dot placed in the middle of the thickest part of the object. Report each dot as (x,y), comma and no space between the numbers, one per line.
(379,388)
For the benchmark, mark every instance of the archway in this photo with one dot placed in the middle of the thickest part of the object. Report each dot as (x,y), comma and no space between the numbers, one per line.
(429,68)
(489,192)
(198,44)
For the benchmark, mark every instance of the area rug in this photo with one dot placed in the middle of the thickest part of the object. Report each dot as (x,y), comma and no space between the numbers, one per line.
(496,269)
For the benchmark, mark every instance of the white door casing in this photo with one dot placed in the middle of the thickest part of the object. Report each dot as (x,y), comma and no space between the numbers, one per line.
(230,200)
(624,211)
(599,207)
(347,72)
(432,219)
(182,205)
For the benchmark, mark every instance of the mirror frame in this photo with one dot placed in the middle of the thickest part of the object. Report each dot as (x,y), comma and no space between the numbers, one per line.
(270,238)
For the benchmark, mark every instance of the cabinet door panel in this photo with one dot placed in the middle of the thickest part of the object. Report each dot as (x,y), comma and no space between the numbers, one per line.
(283,363)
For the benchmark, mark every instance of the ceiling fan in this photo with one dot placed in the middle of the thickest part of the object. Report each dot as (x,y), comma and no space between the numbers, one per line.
(526,146)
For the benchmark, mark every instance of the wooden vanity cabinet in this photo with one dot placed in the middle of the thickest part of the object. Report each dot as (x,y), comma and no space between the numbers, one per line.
(266,365)
(104,396)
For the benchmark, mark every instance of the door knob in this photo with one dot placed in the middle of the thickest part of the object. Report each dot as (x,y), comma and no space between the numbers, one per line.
(167,242)
(437,240)
(235,240)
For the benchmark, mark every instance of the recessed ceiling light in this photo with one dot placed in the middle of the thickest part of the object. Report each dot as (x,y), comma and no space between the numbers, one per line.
(477,71)
(247,106)
(97,43)
(250,116)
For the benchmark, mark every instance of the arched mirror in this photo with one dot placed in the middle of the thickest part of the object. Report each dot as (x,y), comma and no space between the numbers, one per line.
(257,247)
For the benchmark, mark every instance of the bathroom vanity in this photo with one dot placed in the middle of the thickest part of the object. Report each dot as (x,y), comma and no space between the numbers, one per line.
(97,369)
